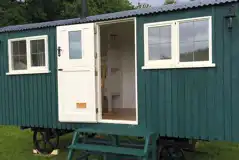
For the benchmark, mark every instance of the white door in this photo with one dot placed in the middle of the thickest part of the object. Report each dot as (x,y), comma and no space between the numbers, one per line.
(76,73)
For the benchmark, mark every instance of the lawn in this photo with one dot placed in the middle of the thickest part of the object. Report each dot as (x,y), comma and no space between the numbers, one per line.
(16,144)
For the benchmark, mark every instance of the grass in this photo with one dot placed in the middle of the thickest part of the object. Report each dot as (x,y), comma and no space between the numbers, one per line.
(17,145)
(215,151)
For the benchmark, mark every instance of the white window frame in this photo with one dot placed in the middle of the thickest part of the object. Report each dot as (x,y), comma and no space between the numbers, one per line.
(174,62)
(30,69)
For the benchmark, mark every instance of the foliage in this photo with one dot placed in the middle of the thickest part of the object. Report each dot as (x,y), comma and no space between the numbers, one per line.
(43,10)
(143,5)
(108,6)
(12,12)
(30,11)
(169,2)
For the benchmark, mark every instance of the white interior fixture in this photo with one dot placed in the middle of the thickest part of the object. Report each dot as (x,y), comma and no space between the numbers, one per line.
(184,43)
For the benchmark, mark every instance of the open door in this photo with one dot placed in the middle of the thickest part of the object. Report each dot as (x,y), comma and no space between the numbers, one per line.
(76,73)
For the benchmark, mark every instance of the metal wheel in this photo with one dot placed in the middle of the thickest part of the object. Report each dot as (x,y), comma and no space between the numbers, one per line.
(88,135)
(45,141)
(170,152)
(91,135)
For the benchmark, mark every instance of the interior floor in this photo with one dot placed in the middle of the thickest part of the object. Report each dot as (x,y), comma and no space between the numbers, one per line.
(127,114)
(118,71)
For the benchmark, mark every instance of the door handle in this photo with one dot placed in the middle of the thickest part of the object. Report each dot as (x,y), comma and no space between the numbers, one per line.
(59,51)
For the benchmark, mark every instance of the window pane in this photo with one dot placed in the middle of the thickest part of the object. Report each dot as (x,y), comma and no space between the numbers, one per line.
(160,34)
(22,47)
(38,53)
(194,41)
(197,51)
(159,43)
(186,31)
(41,46)
(165,51)
(19,62)
(15,48)
(186,51)
(75,48)
(33,46)
(19,55)
(201,51)
(201,30)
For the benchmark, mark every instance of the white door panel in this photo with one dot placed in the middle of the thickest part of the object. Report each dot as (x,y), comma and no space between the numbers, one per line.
(77,94)
(76,73)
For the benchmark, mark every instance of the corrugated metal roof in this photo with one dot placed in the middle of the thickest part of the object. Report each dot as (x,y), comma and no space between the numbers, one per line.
(117,15)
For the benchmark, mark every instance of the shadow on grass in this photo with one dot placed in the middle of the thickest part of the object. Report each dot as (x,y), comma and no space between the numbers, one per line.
(198,155)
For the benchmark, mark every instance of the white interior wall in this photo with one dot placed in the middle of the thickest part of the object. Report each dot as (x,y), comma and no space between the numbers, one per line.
(128,79)
(120,54)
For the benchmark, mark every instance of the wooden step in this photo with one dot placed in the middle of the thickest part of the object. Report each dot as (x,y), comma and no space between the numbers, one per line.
(109,149)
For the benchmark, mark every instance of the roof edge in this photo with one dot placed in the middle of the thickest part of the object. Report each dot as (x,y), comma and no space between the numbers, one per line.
(117,15)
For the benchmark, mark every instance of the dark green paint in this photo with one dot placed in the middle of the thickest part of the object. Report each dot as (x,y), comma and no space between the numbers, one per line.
(200,102)
(197,103)
(31,100)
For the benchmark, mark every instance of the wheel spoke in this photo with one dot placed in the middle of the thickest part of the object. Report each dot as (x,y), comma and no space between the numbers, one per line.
(39,141)
(42,135)
(51,144)
(46,141)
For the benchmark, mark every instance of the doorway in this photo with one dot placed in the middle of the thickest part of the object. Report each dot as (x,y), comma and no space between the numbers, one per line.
(97,72)
(117,65)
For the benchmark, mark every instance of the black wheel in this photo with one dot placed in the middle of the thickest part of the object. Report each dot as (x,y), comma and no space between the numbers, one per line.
(88,135)
(45,141)
(91,135)
(170,152)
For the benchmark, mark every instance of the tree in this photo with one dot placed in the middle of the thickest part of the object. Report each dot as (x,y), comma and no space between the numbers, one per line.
(143,5)
(73,8)
(43,10)
(108,6)
(12,12)
(169,2)
(30,11)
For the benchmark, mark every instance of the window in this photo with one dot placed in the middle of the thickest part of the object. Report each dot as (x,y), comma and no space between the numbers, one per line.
(194,41)
(179,44)
(37,53)
(75,48)
(19,55)
(160,43)
(28,55)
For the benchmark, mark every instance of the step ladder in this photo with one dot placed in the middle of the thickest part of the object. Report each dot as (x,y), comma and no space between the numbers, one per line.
(113,144)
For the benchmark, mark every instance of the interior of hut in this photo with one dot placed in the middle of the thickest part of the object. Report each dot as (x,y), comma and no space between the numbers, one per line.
(118,71)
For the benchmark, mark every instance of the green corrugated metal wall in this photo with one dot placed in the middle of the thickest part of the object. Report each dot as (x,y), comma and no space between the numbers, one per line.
(28,99)
(31,100)
(199,102)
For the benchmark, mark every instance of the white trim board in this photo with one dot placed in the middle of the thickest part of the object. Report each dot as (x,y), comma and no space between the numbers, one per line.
(115,21)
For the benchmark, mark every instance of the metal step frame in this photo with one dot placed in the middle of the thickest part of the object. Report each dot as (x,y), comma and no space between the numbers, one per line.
(112,144)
